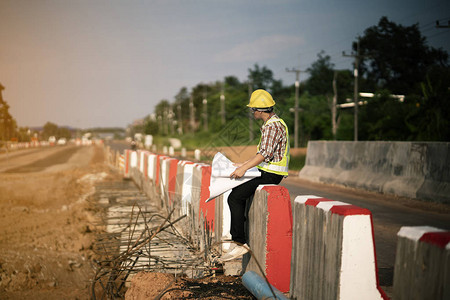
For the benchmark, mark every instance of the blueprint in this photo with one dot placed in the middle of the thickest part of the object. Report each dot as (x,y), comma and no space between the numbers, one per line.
(221,168)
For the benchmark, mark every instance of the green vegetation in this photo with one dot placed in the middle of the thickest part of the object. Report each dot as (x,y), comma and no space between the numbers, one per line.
(297,162)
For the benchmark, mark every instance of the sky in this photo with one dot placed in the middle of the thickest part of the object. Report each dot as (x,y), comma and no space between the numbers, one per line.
(105,63)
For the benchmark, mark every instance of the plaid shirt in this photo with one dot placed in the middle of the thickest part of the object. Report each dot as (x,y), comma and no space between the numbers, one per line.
(273,141)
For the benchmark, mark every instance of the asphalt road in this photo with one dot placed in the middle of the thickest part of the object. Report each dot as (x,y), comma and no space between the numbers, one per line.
(118,145)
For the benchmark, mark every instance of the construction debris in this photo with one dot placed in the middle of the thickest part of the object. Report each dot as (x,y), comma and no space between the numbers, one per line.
(138,237)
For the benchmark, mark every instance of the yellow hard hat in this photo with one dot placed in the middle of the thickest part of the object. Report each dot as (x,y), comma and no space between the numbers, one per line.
(261,99)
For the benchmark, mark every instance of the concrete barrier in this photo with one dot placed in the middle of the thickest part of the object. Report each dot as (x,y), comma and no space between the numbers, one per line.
(151,166)
(422,263)
(207,208)
(168,174)
(333,251)
(141,161)
(121,162)
(186,187)
(410,169)
(189,182)
(177,187)
(127,163)
(222,222)
(148,181)
(133,159)
(172,184)
(325,250)
(168,166)
(270,234)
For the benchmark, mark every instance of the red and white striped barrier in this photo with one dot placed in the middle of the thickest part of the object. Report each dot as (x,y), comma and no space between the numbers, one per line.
(186,186)
(142,161)
(270,234)
(168,178)
(333,251)
(121,162)
(207,208)
(158,174)
(222,222)
(422,263)
(325,251)
(127,163)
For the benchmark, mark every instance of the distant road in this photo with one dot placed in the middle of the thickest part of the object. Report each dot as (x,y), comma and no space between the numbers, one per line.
(118,145)
(45,159)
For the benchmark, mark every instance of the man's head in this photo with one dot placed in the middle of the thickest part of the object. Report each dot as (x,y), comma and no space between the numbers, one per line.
(261,102)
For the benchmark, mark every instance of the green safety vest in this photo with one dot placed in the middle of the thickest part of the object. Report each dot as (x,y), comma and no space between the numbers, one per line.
(279,167)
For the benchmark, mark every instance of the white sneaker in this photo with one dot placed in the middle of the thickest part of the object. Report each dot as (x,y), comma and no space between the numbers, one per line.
(237,252)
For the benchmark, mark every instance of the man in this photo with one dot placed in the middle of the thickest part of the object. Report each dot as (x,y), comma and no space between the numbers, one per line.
(272,160)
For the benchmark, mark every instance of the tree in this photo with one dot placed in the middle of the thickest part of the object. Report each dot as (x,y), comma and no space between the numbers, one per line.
(23,134)
(321,76)
(150,126)
(165,116)
(429,117)
(262,78)
(319,86)
(181,108)
(7,123)
(50,129)
(64,132)
(315,119)
(397,57)
(397,60)
(384,119)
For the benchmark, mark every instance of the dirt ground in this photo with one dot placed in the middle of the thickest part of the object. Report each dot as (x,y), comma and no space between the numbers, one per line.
(47,228)
(46,222)
(146,285)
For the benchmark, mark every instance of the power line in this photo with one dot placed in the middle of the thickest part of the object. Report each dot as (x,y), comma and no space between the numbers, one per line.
(438,34)
(438,25)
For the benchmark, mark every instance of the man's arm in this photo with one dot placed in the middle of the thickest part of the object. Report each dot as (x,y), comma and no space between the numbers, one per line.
(240,171)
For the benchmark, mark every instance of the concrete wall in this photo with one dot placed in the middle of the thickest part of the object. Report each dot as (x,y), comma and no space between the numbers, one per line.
(409,169)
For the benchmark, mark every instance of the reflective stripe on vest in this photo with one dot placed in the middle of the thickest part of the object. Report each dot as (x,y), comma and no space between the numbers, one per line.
(279,167)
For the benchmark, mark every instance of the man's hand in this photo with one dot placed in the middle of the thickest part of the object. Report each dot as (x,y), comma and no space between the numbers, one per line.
(238,173)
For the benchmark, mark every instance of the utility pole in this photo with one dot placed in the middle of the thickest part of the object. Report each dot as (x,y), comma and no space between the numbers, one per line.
(171,120)
(160,124)
(250,115)
(191,112)
(357,57)
(297,87)
(222,106)
(180,122)
(333,107)
(166,121)
(205,112)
